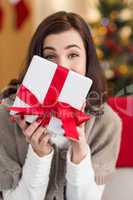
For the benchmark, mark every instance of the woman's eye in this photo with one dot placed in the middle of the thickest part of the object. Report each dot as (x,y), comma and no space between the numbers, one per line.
(50,57)
(73,55)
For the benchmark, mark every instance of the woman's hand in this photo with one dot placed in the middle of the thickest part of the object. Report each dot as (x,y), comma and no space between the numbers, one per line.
(80,147)
(37,136)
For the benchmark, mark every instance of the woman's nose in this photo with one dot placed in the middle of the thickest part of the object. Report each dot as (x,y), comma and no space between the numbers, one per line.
(63,62)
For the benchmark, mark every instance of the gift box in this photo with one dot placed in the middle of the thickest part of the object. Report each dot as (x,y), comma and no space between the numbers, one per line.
(53,94)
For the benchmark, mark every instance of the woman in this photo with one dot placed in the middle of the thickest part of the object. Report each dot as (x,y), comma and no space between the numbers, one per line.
(33,168)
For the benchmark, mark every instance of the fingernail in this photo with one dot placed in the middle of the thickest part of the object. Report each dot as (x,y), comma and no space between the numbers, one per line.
(39,120)
(21,116)
(12,119)
(62,126)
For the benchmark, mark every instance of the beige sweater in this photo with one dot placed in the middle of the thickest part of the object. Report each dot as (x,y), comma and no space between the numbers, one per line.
(103,135)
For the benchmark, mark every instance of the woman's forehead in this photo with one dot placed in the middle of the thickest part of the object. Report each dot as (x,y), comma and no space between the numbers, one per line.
(64,39)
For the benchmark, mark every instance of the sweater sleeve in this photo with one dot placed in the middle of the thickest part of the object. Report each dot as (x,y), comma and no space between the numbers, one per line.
(81,180)
(35,177)
(104,140)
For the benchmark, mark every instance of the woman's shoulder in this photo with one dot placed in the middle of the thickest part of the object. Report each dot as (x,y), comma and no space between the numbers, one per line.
(110,121)
(4,115)
(107,117)
(7,127)
(4,112)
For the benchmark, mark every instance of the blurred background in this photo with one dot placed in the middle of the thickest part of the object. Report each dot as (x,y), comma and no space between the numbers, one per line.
(111,23)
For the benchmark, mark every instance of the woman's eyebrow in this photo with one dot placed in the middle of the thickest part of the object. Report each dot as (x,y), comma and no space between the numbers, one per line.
(67,47)
(72,45)
(49,47)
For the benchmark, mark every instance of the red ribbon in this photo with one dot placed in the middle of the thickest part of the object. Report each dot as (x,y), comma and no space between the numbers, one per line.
(70,116)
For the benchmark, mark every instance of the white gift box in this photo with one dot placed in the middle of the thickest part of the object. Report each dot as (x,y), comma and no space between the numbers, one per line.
(38,79)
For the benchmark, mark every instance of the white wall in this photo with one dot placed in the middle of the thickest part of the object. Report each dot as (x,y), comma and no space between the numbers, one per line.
(45,8)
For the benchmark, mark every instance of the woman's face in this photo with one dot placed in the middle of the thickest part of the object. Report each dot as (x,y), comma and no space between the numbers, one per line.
(66,49)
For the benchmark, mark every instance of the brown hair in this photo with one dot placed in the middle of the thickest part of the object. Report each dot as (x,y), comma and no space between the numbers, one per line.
(56,23)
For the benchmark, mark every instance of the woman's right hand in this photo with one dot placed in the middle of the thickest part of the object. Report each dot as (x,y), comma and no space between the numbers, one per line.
(37,136)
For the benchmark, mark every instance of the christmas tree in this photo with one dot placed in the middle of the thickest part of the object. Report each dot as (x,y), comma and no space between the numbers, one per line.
(113,36)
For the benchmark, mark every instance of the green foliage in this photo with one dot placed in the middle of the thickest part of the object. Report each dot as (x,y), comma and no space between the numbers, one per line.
(113,36)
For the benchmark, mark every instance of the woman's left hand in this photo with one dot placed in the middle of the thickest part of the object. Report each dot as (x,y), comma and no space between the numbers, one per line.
(80,147)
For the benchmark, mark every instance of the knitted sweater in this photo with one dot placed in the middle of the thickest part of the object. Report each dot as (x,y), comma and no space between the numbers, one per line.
(80,183)
(103,135)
